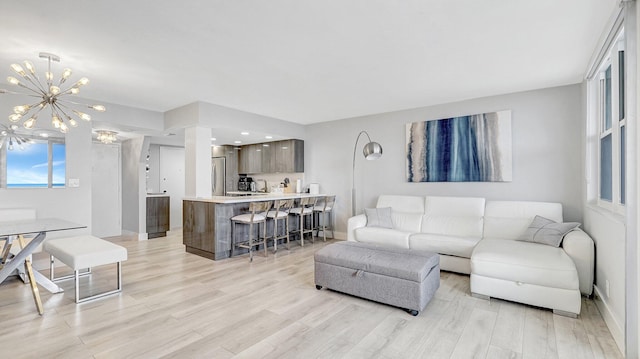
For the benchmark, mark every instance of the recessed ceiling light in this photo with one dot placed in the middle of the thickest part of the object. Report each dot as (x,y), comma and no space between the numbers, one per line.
(268,137)
(245,133)
(265,145)
(238,142)
(213,138)
(43,134)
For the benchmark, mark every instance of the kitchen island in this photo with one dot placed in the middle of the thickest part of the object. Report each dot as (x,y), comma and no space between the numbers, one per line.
(206,222)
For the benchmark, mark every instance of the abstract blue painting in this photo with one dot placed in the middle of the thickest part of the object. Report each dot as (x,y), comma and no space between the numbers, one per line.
(474,148)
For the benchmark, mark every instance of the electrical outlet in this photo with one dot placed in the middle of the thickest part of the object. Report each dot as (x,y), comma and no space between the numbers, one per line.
(606,288)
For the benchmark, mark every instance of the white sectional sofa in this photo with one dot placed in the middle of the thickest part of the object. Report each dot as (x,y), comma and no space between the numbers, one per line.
(478,237)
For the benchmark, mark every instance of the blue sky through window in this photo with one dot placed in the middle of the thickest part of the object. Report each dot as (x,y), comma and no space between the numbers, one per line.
(29,167)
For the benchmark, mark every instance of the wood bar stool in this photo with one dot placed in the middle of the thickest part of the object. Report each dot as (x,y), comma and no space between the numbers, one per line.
(305,213)
(253,217)
(280,212)
(323,212)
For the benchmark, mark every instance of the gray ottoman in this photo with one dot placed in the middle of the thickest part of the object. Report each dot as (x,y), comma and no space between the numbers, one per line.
(400,277)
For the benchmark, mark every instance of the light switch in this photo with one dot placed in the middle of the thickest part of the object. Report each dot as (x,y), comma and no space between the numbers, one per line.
(74,182)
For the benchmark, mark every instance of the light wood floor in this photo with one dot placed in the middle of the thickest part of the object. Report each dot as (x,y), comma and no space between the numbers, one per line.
(178,305)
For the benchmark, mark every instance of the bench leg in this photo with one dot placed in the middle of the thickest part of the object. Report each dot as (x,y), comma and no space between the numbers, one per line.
(52,276)
(97,296)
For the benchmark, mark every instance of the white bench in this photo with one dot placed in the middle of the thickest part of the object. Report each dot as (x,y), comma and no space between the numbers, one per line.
(85,252)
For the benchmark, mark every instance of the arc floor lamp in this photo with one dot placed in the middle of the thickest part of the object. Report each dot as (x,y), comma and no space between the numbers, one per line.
(371,151)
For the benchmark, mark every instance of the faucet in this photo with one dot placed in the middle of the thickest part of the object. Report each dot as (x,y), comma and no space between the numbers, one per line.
(264,185)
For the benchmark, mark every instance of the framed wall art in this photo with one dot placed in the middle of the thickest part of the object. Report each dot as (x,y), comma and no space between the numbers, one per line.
(473,148)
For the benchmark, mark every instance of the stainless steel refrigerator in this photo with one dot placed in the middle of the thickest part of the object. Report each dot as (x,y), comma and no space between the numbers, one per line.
(218,176)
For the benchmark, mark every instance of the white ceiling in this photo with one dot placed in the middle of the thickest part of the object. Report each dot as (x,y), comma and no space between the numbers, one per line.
(306,61)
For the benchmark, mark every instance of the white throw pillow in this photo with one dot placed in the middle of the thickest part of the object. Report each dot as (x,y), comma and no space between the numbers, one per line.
(379,217)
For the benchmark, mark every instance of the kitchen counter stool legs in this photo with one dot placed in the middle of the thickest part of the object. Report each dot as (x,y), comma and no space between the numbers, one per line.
(280,212)
(304,212)
(323,216)
(255,216)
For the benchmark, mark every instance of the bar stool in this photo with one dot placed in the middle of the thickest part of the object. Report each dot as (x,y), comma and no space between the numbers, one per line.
(321,211)
(253,217)
(304,211)
(280,212)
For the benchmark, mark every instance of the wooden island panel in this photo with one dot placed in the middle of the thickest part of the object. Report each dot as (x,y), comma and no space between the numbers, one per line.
(206,223)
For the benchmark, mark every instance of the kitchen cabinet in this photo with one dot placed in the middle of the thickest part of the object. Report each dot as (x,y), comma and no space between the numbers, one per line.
(289,156)
(268,158)
(250,160)
(285,156)
(157,216)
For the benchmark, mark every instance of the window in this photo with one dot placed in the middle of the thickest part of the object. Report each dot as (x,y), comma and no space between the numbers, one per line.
(41,163)
(609,87)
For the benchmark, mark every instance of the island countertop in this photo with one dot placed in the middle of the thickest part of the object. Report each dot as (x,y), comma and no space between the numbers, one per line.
(206,221)
(251,198)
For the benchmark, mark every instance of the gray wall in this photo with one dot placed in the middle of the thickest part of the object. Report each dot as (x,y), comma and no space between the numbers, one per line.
(547,163)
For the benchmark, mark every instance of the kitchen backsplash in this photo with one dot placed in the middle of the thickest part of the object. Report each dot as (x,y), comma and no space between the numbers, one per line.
(275,180)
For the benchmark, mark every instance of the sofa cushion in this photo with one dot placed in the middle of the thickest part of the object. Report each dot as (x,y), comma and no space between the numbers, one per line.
(524,262)
(379,217)
(450,245)
(403,204)
(509,219)
(406,222)
(454,216)
(406,211)
(382,236)
(545,231)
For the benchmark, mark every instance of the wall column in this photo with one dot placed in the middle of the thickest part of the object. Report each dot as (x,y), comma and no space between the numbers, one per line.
(197,157)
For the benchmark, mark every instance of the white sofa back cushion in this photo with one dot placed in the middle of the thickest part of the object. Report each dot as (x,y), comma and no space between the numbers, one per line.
(404,204)
(509,219)
(406,211)
(454,216)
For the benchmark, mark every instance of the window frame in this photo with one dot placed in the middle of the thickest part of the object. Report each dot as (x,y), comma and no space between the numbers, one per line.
(614,59)
(50,141)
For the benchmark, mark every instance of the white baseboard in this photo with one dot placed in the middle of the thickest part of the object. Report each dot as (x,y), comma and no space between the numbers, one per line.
(174,231)
(341,235)
(141,236)
(617,331)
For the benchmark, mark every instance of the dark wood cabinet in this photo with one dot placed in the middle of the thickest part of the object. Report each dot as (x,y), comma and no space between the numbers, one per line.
(289,156)
(157,216)
(250,159)
(285,156)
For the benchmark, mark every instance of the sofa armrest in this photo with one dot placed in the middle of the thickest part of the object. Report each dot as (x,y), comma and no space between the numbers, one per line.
(579,246)
(353,223)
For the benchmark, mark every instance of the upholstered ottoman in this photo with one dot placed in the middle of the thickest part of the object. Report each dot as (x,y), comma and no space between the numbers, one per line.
(400,277)
(85,252)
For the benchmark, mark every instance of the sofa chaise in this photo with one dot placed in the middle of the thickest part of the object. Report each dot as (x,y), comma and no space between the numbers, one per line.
(479,237)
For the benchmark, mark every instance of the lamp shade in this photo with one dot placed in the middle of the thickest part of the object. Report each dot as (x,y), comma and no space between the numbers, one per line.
(372,151)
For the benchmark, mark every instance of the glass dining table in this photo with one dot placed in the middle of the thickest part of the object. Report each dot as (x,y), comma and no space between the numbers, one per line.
(14,231)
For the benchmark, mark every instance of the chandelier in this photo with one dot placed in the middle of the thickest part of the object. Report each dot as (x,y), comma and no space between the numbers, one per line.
(49,94)
(106,137)
(9,135)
